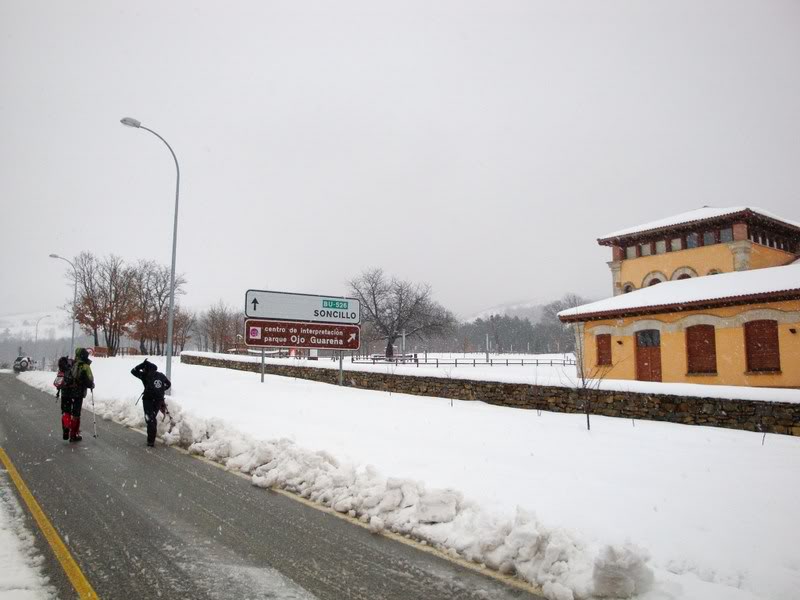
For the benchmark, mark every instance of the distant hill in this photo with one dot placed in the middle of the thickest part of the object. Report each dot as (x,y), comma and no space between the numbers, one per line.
(529,309)
(23,325)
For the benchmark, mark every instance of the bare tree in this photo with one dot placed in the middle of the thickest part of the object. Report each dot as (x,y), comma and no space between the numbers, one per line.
(88,310)
(392,306)
(218,327)
(183,327)
(588,377)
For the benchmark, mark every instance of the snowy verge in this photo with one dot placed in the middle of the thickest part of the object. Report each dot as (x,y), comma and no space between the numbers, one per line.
(21,575)
(555,559)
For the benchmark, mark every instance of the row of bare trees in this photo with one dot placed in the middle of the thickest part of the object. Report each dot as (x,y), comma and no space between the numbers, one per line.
(119,300)
(219,328)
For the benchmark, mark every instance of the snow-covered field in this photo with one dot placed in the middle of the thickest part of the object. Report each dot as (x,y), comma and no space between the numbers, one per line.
(542,374)
(20,570)
(577,512)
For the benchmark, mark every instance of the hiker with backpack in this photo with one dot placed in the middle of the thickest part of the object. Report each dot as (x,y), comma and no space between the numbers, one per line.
(65,391)
(74,379)
(155,384)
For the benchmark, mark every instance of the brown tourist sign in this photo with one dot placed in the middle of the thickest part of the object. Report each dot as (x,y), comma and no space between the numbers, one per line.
(293,334)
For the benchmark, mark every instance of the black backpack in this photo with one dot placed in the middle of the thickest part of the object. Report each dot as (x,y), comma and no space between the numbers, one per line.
(65,372)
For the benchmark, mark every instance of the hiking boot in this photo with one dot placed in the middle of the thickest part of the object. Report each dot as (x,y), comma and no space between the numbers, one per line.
(151,444)
(65,433)
(76,438)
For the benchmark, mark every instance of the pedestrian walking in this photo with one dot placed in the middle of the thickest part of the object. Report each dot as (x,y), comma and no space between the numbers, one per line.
(65,391)
(155,385)
(79,379)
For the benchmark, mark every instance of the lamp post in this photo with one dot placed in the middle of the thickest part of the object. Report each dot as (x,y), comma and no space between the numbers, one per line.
(36,336)
(129,122)
(74,301)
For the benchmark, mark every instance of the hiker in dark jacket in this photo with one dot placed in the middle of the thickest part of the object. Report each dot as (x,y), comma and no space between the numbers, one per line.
(155,384)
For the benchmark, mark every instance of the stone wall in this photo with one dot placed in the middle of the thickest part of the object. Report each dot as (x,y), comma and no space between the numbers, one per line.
(750,415)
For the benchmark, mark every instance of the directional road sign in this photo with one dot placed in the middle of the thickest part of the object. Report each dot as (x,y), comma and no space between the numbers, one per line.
(283,306)
(294,334)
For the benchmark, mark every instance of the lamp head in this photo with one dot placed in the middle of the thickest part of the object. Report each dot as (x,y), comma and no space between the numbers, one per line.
(130,122)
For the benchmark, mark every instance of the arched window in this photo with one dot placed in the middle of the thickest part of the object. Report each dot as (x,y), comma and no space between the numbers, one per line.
(761,346)
(627,288)
(683,273)
(652,278)
(714,272)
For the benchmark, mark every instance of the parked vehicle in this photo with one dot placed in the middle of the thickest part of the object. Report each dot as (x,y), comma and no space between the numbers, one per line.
(23,363)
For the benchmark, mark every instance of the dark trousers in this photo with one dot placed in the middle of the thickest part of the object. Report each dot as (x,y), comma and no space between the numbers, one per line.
(151,408)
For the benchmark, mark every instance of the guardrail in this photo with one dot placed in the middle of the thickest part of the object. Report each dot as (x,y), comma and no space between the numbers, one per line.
(465,362)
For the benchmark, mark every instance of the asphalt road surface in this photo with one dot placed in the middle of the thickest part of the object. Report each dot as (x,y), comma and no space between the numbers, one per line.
(156,523)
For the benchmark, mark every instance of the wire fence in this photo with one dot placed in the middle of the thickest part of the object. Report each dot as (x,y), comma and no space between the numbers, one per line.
(417,360)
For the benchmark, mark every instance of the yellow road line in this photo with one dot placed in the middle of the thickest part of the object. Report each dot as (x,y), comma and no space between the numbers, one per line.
(71,568)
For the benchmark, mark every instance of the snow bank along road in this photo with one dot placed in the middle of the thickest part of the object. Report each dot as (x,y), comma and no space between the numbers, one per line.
(147,523)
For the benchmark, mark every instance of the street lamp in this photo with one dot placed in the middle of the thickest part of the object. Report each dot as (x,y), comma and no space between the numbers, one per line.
(74,301)
(36,337)
(129,122)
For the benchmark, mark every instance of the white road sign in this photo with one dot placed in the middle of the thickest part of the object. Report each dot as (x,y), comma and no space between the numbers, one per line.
(283,306)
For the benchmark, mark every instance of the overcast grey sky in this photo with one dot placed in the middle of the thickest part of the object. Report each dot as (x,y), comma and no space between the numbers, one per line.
(481,147)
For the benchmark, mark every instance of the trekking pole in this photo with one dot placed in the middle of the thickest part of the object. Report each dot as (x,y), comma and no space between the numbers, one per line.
(94,415)
(139,398)
(171,421)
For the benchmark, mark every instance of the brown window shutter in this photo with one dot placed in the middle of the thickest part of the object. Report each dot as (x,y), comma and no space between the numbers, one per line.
(701,349)
(761,343)
(603,349)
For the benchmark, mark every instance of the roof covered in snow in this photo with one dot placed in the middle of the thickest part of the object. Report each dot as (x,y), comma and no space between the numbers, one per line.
(701,214)
(740,287)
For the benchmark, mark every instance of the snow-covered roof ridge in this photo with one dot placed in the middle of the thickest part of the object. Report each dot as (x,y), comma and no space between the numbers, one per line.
(691,293)
(692,216)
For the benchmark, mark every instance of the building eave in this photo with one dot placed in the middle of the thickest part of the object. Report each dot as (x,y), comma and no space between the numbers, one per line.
(765,297)
(746,215)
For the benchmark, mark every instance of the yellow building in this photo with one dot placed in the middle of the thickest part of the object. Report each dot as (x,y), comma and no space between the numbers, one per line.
(669,322)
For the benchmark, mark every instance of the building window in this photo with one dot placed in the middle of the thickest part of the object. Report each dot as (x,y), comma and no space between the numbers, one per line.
(630,252)
(661,247)
(726,235)
(761,345)
(603,349)
(692,240)
(709,238)
(645,249)
(675,244)
(654,281)
(701,349)
(628,288)
(714,272)
(649,338)
(684,276)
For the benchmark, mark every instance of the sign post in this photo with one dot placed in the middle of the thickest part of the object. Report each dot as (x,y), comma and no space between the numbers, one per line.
(284,320)
(289,334)
(309,308)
